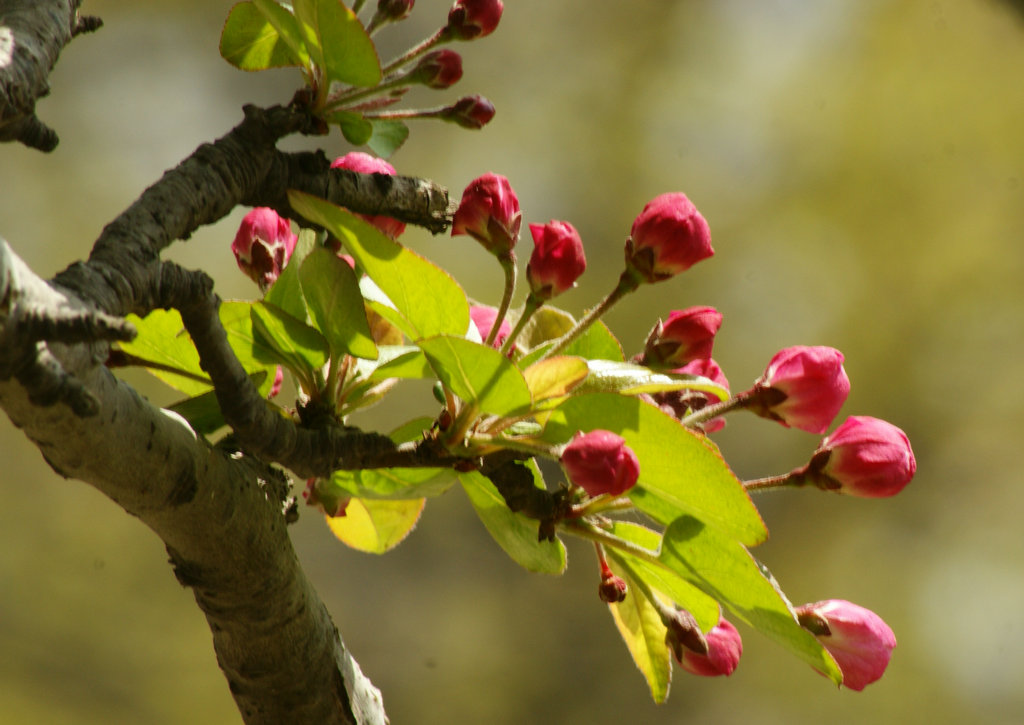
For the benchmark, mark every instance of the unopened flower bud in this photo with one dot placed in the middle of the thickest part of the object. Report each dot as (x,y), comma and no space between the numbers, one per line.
(557,260)
(394,10)
(685,336)
(263,245)
(473,112)
(683,634)
(668,237)
(363,163)
(439,69)
(483,319)
(859,640)
(275,387)
(470,19)
(802,387)
(612,589)
(680,403)
(865,457)
(600,462)
(489,212)
(723,650)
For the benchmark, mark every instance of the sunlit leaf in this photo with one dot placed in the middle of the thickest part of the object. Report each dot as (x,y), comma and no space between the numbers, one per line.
(338,42)
(681,472)
(237,321)
(555,376)
(376,526)
(162,340)
(515,533)
(335,304)
(287,341)
(428,299)
(286,292)
(644,634)
(607,376)
(478,374)
(253,41)
(725,570)
(387,137)
(596,343)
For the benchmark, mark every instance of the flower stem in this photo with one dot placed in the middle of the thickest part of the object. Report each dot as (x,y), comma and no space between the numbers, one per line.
(737,402)
(508,265)
(627,283)
(531,306)
(793,479)
(416,51)
(586,530)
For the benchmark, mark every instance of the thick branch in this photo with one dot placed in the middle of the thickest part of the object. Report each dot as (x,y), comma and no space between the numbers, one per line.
(32,35)
(221,516)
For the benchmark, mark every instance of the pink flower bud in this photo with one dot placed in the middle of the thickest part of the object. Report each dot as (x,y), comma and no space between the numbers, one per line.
(802,387)
(857,638)
(365,164)
(473,112)
(685,336)
(489,212)
(612,589)
(679,403)
(263,245)
(724,648)
(275,387)
(469,19)
(668,237)
(483,318)
(866,457)
(440,69)
(557,260)
(600,462)
(393,10)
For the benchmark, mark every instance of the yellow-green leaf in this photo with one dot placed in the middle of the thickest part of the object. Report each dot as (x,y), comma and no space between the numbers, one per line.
(376,526)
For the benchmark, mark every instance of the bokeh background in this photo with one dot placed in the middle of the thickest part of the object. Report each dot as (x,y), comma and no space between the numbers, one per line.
(861,163)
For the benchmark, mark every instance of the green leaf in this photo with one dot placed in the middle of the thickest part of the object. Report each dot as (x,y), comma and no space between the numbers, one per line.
(376,526)
(162,340)
(394,483)
(661,578)
(478,374)
(203,411)
(236,318)
(337,42)
(356,129)
(401,361)
(681,472)
(644,633)
(282,339)
(252,40)
(554,377)
(546,324)
(515,533)
(596,343)
(428,299)
(388,136)
(286,292)
(607,376)
(725,570)
(335,304)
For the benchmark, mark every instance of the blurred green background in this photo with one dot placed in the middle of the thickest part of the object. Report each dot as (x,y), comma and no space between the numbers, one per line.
(861,163)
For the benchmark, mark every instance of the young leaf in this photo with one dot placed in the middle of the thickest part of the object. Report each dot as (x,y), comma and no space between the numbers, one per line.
(515,533)
(401,361)
(680,471)
(335,304)
(252,41)
(387,137)
(644,634)
(237,321)
(431,302)
(477,374)
(282,339)
(162,340)
(629,379)
(376,526)
(286,292)
(724,569)
(337,42)
(661,578)
(356,129)
(394,483)
(555,377)
(596,343)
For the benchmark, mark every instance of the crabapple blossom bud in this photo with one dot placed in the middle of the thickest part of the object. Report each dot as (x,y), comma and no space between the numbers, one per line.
(393,10)
(803,387)
(489,212)
(865,457)
(668,237)
(275,387)
(263,245)
(439,70)
(685,336)
(600,462)
(557,260)
(683,633)
(473,112)
(483,318)
(363,163)
(724,648)
(857,638)
(679,403)
(470,19)
(612,589)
